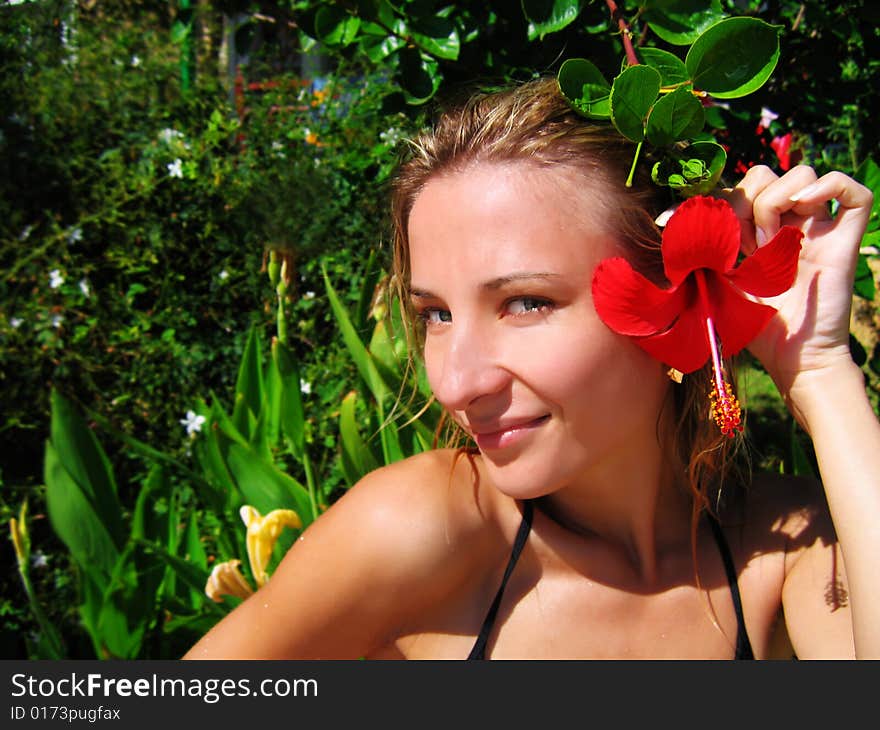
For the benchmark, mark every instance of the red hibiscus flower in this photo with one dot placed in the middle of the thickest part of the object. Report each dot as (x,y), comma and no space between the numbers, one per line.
(706,300)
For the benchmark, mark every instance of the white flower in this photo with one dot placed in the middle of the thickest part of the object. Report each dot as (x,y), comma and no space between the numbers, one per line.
(175,169)
(767,116)
(309,295)
(55,278)
(193,422)
(169,136)
(25,233)
(135,61)
(391,136)
(84,287)
(56,320)
(75,235)
(223,275)
(305,387)
(16,322)
(39,560)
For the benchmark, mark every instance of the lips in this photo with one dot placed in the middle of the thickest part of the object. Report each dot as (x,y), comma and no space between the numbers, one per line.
(502,434)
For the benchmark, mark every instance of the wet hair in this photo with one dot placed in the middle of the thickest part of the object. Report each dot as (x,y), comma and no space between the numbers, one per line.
(533,123)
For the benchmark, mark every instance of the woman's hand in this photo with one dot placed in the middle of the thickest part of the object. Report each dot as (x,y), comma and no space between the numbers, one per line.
(810,333)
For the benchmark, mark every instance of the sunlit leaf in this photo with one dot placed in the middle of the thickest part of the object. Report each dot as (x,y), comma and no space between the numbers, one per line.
(680,22)
(633,92)
(549,16)
(734,57)
(676,116)
(585,88)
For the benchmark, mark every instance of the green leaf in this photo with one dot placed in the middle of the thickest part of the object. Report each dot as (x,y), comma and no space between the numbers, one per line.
(266,487)
(249,387)
(143,523)
(585,88)
(180,32)
(362,358)
(670,67)
(864,280)
(80,454)
(549,16)
(292,414)
(357,458)
(680,22)
(190,574)
(437,36)
(676,116)
(146,450)
(633,93)
(336,27)
(74,519)
(379,47)
(390,438)
(868,174)
(734,57)
(420,76)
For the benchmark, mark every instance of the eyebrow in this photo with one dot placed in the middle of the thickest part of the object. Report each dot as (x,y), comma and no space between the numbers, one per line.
(498,282)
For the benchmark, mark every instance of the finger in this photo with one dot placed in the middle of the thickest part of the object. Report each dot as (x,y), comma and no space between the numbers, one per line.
(855,199)
(774,202)
(742,199)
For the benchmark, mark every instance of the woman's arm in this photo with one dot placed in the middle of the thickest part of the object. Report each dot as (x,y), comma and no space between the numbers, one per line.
(805,348)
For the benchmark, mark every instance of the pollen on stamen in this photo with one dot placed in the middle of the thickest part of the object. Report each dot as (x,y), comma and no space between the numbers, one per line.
(725,409)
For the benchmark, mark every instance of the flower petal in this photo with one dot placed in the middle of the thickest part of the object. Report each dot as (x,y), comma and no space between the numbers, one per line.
(737,319)
(629,303)
(703,233)
(771,269)
(685,346)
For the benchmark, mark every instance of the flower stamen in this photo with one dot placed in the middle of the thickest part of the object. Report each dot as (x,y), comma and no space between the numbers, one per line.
(725,407)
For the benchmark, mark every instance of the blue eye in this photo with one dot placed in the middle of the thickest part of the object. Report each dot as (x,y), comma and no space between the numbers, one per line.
(432,316)
(525,305)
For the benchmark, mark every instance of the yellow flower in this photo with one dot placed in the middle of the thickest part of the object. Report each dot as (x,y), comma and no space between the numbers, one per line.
(262,534)
(226,580)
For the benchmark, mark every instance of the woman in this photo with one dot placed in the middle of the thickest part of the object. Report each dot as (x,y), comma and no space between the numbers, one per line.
(600,516)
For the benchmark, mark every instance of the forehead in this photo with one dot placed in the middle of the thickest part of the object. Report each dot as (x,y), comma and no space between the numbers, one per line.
(495,219)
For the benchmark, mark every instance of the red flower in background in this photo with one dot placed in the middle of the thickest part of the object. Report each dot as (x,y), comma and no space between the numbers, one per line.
(781,145)
(705,301)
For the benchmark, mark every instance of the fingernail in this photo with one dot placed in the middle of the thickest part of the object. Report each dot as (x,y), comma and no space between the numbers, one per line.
(760,236)
(811,188)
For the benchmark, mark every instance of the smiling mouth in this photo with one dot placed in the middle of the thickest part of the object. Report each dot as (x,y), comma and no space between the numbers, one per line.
(508,436)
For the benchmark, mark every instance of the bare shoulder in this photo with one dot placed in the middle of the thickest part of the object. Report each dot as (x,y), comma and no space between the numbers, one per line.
(396,543)
(430,503)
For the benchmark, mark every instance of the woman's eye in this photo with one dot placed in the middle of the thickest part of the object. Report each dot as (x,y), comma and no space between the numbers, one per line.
(435,316)
(524,305)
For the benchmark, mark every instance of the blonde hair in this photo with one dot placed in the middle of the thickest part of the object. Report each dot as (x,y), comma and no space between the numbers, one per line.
(534,124)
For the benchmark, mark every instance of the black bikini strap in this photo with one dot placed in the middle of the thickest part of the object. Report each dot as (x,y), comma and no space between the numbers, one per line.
(479,650)
(743,645)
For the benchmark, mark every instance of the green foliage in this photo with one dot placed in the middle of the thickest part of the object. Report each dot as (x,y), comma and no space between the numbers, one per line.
(141,204)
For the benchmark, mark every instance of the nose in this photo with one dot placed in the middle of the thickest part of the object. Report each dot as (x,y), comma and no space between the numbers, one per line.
(464,366)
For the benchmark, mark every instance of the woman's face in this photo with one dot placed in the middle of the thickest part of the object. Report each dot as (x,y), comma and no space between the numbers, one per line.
(501,261)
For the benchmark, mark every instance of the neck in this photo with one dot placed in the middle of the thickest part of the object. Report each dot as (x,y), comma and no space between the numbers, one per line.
(633,502)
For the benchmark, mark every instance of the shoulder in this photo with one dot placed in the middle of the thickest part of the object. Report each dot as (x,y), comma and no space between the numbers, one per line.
(414,527)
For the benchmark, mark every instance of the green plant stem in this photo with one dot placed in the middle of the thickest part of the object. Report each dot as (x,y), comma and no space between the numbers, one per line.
(46,628)
(632,170)
(617,17)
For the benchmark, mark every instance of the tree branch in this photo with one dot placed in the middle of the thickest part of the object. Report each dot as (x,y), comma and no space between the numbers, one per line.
(625,32)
